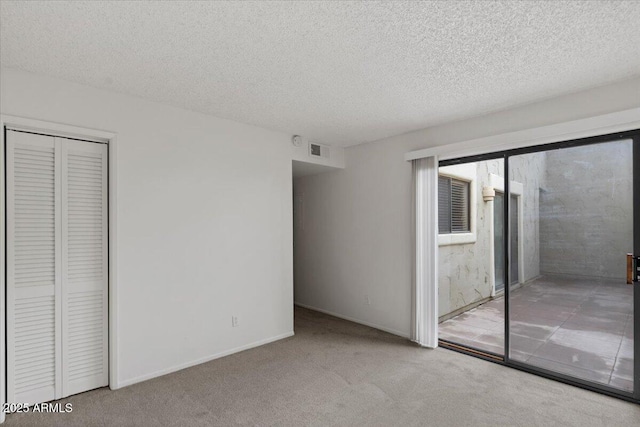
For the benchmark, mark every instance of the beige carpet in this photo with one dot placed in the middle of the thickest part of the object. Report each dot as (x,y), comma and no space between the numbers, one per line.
(333,372)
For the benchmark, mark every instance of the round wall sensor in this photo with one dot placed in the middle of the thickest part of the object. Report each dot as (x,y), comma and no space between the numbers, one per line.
(297,140)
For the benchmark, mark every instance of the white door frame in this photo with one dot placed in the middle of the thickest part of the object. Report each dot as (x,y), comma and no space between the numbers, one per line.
(67,131)
(516,189)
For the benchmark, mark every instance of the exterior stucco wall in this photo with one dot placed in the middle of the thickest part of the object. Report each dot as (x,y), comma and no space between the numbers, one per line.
(530,171)
(465,269)
(586,225)
(577,218)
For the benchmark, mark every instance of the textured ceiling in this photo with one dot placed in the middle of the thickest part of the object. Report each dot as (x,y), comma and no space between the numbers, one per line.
(340,73)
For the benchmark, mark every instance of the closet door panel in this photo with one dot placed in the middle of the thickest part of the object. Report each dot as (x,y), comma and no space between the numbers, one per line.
(33,268)
(85,266)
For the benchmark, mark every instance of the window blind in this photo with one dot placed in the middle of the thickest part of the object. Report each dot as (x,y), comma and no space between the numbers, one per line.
(453,206)
(444,205)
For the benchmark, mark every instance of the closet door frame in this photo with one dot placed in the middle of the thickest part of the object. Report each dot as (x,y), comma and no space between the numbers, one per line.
(72,132)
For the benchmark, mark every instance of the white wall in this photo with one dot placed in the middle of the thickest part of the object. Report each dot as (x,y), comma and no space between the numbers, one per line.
(352,238)
(357,222)
(204,223)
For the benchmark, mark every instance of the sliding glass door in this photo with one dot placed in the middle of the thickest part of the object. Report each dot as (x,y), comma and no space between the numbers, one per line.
(575,317)
(549,260)
(471,297)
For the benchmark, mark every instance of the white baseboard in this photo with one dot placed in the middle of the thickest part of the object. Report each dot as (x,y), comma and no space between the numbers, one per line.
(180,367)
(351,319)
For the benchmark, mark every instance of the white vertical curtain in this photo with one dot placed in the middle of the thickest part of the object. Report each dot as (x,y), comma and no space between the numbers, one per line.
(424,330)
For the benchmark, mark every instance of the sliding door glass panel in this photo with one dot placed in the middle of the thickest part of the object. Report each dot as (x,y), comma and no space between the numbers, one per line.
(471,304)
(571,219)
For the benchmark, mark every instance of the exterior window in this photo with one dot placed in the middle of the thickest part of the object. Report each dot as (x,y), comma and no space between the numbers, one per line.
(453,206)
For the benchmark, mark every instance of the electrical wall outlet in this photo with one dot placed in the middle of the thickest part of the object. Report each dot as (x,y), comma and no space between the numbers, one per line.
(234,321)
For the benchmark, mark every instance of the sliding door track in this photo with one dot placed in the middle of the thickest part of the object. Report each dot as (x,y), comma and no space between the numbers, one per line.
(471,351)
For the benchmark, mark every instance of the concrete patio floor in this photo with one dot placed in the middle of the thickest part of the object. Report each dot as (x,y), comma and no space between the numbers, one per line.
(580,327)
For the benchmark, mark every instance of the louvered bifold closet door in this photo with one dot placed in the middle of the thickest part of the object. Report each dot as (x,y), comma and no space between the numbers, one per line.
(33,268)
(84,267)
(57,282)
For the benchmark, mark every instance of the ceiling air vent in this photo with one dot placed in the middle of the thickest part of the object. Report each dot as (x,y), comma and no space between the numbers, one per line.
(317,150)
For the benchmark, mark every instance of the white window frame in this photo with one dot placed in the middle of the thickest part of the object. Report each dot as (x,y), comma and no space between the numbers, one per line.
(467,172)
